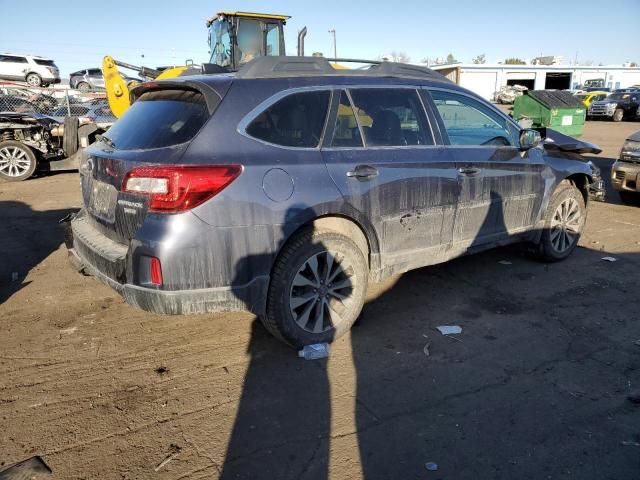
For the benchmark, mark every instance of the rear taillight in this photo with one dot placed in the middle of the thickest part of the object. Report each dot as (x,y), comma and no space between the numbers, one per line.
(175,188)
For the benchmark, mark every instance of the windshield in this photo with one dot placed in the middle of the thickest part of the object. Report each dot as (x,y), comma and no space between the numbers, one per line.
(617,97)
(220,41)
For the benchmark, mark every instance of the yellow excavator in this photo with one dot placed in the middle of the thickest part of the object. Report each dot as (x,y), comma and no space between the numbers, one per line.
(235,38)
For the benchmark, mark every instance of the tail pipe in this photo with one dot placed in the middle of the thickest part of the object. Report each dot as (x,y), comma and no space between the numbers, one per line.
(301,34)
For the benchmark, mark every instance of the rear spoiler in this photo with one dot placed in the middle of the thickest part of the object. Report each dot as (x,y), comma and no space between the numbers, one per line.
(556,140)
(211,96)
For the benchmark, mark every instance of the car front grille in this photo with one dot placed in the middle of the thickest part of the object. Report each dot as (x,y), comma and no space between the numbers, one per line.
(619,175)
(598,110)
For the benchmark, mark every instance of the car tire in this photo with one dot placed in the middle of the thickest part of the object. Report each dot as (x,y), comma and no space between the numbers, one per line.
(17,161)
(618,115)
(317,288)
(34,80)
(84,87)
(564,221)
(70,138)
(630,198)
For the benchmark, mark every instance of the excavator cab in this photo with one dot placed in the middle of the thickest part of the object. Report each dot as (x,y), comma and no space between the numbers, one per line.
(236,38)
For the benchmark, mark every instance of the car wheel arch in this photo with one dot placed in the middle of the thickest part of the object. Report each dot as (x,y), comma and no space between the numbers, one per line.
(581,181)
(362,235)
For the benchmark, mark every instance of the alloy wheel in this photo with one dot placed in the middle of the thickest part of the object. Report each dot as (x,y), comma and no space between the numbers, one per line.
(14,161)
(321,291)
(566,224)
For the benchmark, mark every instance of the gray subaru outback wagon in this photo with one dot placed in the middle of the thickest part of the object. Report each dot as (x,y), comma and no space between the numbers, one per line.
(287,187)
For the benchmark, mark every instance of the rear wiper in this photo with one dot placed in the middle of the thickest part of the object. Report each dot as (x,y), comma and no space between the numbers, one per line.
(106,140)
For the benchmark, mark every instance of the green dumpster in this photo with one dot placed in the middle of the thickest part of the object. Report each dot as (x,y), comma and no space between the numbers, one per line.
(556,109)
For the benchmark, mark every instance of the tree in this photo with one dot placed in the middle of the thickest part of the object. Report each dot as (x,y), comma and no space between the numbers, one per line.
(514,61)
(480,59)
(633,64)
(451,58)
(400,57)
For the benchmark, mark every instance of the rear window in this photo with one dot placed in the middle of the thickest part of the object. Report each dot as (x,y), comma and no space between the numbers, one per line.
(46,63)
(295,121)
(160,119)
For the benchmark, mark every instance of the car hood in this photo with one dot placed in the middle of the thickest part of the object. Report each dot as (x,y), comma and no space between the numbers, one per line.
(554,140)
(635,137)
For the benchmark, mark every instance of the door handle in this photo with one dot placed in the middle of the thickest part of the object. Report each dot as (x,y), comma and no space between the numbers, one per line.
(363,172)
(469,171)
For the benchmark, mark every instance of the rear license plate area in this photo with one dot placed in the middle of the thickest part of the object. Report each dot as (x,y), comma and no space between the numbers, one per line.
(102,200)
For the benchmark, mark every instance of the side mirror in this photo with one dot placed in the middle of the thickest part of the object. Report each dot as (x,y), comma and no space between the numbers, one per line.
(529,139)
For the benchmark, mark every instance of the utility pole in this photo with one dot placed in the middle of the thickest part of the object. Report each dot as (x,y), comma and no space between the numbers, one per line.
(335,47)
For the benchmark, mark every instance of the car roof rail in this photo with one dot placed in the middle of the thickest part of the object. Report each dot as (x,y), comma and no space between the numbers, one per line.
(283,66)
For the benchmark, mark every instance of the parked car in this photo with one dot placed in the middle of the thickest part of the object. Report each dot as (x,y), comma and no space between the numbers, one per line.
(587,98)
(43,101)
(286,188)
(11,103)
(98,113)
(616,106)
(91,79)
(625,173)
(36,71)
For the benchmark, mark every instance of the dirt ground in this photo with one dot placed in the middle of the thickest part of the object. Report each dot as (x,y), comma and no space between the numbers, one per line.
(535,387)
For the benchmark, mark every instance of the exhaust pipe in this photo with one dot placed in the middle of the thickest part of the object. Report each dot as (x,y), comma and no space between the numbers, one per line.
(301,34)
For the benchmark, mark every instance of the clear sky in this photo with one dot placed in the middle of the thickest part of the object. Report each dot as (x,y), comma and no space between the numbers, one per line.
(77,34)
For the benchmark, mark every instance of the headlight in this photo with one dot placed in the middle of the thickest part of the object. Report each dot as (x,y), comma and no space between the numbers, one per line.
(630,150)
(611,106)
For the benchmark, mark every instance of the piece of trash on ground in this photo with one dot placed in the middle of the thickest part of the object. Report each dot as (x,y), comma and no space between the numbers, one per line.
(14,276)
(173,451)
(426,349)
(315,351)
(32,468)
(609,259)
(637,342)
(431,466)
(505,262)
(449,329)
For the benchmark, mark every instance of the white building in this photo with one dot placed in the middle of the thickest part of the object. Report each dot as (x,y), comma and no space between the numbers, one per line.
(485,79)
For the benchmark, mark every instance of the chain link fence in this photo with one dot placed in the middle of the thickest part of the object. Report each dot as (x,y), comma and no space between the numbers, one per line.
(56,102)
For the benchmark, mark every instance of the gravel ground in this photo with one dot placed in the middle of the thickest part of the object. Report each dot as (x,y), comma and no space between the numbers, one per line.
(536,386)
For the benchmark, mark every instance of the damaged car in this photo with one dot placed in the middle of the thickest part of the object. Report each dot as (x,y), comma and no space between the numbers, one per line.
(30,142)
(286,188)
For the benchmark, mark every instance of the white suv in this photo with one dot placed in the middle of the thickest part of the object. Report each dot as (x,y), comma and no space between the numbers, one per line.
(36,71)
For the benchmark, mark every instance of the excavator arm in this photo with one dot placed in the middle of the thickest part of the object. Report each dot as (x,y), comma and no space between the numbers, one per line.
(118,88)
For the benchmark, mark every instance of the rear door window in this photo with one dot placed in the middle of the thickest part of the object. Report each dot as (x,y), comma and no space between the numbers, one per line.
(160,119)
(45,63)
(297,120)
(391,117)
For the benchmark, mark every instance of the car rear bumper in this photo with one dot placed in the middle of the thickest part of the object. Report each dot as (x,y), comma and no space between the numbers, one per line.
(108,264)
(625,176)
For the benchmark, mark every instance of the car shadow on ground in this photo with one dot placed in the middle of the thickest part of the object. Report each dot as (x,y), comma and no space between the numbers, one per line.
(478,404)
(28,237)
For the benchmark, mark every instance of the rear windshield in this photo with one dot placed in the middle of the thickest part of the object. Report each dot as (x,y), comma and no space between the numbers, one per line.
(160,119)
(46,63)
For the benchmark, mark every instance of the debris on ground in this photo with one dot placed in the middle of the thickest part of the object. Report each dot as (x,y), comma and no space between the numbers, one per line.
(32,468)
(431,466)
(315,351)
(14,276)
(637,342)
(449,329)
(173,451)
(609,259)
(162,370)
(426,349)
(505,262)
